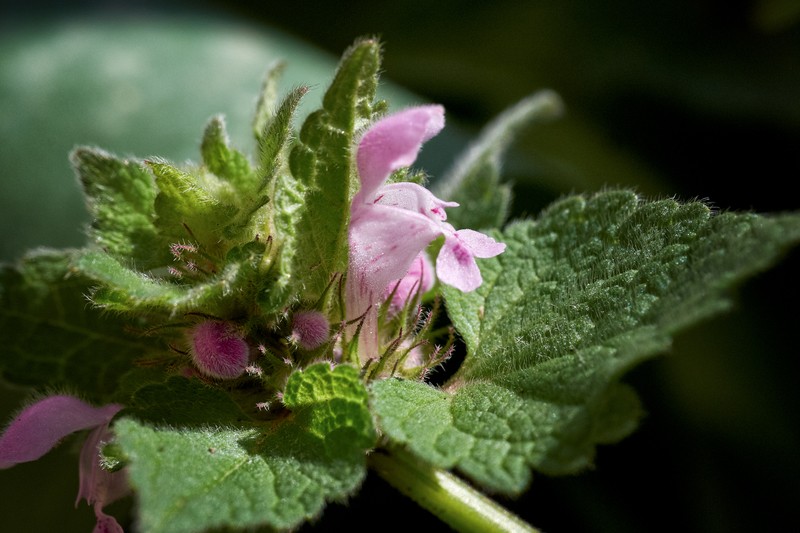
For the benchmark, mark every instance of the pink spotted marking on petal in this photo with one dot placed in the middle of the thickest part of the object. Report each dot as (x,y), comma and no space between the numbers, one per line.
(456,267)
(456,264)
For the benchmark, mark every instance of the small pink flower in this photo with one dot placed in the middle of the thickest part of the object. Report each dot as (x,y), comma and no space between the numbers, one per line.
(310,329)
(418,280)
(40,426)
(218,350)
(391,224)
(98,486)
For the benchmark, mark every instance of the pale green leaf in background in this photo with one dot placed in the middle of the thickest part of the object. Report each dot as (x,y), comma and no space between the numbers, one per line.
(474,182)
(50,335)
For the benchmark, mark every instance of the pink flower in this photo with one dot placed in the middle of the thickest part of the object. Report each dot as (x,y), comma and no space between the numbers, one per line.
(40,426)
(418,280)
(391,224)
(98,486)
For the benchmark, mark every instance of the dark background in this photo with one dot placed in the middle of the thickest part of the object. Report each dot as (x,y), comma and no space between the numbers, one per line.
(692,99)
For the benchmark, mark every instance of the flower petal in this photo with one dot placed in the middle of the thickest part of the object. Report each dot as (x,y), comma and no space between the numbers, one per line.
(384,240)
(394,142)
(106,523)
(480,245)
(456,266)
(39,427)
(97,485)
(418,280)
(415,198)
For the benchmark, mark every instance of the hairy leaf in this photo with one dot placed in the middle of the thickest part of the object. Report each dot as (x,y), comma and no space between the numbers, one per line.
(186,403)
(120,195)
(322,163)
(276,136)
(193,207)
(288,201)
(221,294)
(225,162)
(52,338)
(277,473)
(267,98)
(592,288)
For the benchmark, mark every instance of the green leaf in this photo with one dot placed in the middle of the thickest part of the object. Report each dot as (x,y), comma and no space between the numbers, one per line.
(592,288)
(286,208)
(196,207)
(474,180)
(120,195)
(52,338)
(266,99)
(225,162)
(225,293)
(276,136)
(322,162)
(186,403)
(276,474)
(495,435)
(332,404)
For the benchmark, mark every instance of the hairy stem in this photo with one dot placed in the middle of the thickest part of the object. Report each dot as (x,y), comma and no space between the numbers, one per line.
(451,499)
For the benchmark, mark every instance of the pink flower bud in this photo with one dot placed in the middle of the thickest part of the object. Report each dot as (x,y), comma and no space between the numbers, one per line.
(219,350)
(310,329)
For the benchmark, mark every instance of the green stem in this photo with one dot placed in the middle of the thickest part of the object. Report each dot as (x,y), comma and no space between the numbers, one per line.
(451,499)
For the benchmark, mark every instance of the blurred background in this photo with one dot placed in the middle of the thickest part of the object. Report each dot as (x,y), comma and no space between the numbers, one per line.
(691,99)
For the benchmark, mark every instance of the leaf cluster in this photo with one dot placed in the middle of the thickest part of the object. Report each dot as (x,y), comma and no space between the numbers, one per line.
(592,287)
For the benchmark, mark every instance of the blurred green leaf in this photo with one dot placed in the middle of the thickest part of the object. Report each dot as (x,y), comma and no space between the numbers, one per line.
(474,180)
(51,338)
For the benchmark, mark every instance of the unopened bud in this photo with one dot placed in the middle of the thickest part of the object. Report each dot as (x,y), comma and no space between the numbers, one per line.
(310,329)
(218,350)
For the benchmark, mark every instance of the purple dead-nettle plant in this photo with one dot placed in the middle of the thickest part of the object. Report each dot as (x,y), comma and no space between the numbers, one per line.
(323,288)
(391,224)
